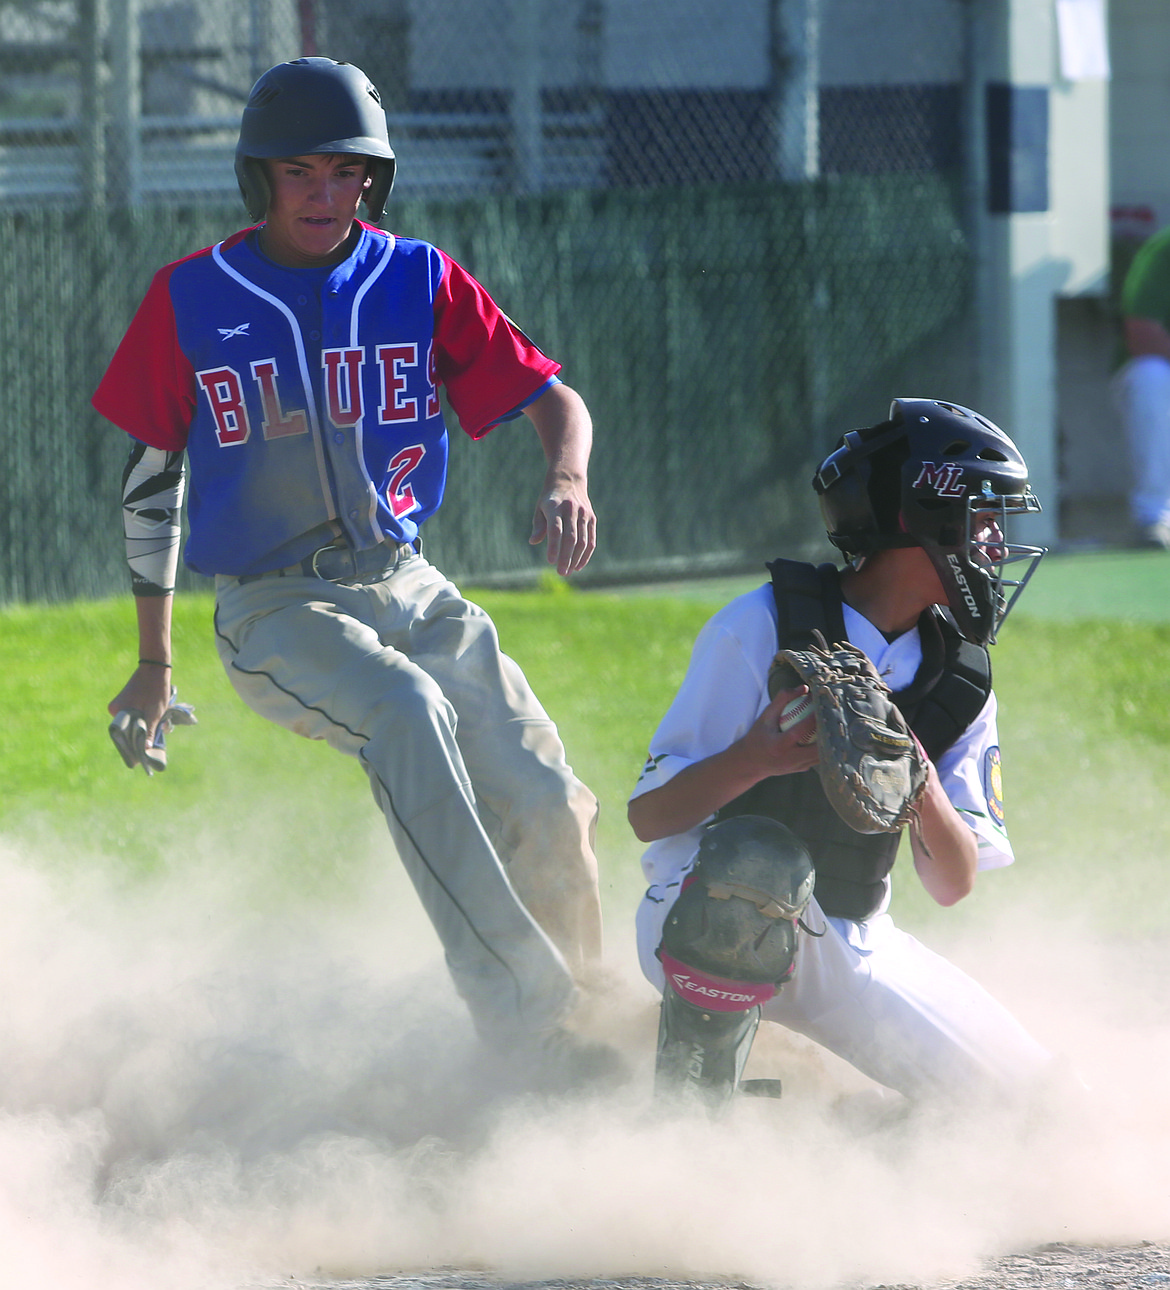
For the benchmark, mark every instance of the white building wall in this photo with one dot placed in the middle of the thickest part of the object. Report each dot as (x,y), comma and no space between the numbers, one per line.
(1140,105)
(862,44)
(693,44)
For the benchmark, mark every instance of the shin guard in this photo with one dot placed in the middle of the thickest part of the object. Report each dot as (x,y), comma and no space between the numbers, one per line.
(704,1051)
(728,945)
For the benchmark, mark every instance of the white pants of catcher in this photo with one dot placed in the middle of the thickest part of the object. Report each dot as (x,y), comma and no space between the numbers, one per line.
(493,828)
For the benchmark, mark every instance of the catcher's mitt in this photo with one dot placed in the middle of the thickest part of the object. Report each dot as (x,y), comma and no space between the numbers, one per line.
(872,768)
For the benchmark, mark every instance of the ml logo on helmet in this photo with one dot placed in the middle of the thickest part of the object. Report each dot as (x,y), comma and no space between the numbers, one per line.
(945,478)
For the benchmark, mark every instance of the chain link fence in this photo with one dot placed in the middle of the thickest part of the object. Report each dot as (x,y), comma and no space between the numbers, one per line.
(740,226)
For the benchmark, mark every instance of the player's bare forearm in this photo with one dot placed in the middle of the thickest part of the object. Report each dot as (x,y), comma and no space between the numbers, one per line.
(564,516)
(946,853)
(149,688)
(699,790)
(695,793)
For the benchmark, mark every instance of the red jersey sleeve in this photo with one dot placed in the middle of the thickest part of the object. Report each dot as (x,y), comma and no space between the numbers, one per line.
(488,365)
(149,387)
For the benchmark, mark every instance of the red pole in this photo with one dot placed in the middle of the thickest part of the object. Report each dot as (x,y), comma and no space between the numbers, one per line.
(308,16)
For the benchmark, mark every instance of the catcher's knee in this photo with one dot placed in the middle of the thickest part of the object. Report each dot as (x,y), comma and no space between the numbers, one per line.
(736,918)
(728,945)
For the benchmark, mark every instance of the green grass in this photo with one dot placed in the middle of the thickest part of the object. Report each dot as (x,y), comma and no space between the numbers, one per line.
(1085,724)
(290,810)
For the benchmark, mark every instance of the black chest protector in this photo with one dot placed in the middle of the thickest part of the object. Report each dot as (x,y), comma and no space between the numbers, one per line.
(946,695)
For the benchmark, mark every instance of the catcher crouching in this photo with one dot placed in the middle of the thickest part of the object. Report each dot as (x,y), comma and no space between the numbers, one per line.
(771,843)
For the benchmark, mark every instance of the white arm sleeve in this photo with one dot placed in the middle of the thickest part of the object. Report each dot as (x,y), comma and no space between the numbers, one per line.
(152,501)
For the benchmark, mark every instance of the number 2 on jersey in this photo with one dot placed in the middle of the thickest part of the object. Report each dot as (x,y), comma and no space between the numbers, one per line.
(399,494)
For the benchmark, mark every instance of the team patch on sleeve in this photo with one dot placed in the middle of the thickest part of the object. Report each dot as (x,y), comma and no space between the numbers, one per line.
(993,784)
(651,766)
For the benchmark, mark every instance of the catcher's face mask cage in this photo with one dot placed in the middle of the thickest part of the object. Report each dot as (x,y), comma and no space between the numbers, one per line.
(979,590)
(311,106)
(943,478)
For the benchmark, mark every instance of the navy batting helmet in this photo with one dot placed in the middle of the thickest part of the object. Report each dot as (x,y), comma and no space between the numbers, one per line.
(920,479)
(313,105)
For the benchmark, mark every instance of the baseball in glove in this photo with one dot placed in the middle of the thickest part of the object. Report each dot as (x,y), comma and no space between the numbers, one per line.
(872,768)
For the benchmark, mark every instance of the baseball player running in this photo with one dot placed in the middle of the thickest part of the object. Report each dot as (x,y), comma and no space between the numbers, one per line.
(294,369)
(761,901)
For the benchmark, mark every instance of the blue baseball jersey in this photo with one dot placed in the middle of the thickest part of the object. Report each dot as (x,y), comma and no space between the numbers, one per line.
(307,399)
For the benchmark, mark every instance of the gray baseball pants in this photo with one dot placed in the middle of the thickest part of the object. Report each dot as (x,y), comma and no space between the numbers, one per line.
(492,826)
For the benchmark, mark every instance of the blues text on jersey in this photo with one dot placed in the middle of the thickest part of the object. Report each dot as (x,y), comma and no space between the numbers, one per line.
(309,398)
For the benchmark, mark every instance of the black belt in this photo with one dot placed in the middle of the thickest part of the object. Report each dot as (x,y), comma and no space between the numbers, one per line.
(342,564)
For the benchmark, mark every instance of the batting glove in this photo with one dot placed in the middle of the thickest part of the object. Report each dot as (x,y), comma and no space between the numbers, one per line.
(128,731)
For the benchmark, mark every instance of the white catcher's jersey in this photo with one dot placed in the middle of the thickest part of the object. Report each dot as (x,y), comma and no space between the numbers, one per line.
(725,690)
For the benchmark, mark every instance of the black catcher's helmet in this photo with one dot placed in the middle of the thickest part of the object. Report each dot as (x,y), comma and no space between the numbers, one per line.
(921,479)
(313,105)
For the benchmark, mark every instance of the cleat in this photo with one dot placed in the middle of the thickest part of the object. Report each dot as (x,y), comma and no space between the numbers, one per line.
(761,1087)
(702,1051)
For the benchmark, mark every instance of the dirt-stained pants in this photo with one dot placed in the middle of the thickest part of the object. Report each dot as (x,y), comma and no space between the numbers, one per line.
(494,829)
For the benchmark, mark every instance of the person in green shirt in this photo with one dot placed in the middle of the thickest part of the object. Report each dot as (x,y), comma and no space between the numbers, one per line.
(1142,388)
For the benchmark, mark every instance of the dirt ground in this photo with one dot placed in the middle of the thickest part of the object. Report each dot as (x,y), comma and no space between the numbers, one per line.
(1051,1267)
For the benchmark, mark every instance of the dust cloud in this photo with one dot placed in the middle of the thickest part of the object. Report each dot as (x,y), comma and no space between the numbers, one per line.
(202,1091)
